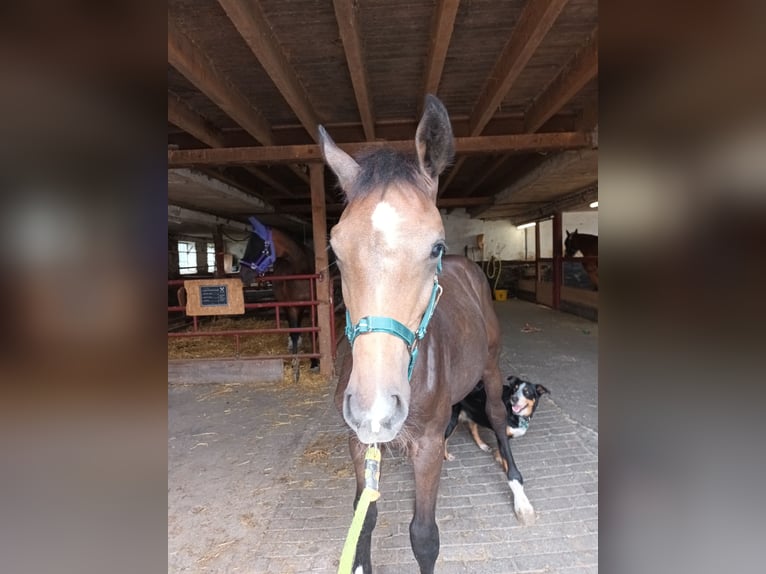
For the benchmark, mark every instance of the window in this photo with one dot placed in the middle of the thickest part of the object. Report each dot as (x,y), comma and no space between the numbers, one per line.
(187,257)
(211,257)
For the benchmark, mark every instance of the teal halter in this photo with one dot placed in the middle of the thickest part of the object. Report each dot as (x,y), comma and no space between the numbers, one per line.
(393,327)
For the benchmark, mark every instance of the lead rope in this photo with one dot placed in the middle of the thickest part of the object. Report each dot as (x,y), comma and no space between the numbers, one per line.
(369,494)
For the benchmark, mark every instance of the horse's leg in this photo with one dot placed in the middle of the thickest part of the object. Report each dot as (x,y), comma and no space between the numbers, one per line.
(294,321)
(427,458)
(362,560)
(496,412)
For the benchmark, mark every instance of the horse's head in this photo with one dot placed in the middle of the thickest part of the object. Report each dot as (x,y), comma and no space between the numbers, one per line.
(260,253)
(388,244)
(570,244)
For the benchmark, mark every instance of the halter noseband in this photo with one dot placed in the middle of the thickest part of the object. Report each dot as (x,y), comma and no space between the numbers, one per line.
(268,256)
(371,324)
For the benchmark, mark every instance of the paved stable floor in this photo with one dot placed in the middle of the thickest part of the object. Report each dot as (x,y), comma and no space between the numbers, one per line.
(259,478)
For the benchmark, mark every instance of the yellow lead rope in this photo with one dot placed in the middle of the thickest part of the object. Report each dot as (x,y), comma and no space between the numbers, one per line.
(369,494)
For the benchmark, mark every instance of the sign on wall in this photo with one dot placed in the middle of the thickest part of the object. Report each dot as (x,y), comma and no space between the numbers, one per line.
(214,297)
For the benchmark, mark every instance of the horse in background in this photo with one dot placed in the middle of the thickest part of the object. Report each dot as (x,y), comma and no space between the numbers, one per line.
(587,245)
(270,249)
(421,325)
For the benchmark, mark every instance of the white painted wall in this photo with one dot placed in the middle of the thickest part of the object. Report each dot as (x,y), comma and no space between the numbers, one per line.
(546,238)
(504,241)
(501,239)
(583,221)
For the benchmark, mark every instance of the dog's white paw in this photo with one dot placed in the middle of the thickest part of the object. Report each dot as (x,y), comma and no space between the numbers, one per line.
(521,505)
(449,457)
(525,514)
(485,447)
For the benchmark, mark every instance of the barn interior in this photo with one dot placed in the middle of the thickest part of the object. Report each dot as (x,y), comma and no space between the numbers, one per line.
(249,84)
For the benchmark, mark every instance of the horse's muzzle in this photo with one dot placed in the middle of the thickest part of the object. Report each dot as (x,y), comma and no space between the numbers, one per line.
(378,423)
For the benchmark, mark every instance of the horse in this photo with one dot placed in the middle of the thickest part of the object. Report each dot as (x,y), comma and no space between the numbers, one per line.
(588,245)
(270,248)
(421,324)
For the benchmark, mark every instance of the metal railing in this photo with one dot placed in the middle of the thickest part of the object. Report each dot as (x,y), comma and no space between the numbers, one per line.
(236,334)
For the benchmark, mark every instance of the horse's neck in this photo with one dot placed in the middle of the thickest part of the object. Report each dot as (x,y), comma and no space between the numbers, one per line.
(589,244)
(286,248)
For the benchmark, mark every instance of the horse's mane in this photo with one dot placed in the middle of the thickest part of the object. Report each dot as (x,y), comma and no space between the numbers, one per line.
(383,167)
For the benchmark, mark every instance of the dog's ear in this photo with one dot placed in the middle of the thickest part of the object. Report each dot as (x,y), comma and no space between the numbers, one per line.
(507,392)
(541,390)
(512,380)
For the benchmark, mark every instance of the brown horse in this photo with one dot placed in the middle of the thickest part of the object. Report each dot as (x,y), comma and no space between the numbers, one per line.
(272,249)
(400,380)
(587,245)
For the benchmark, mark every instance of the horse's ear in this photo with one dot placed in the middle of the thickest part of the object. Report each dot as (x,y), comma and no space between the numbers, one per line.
(433,139)
(342,164)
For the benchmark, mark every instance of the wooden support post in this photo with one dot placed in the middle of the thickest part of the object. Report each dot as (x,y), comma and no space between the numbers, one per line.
(538,274)
(200,247)
(321,261)
(173,272)
(558,276)
(218,242)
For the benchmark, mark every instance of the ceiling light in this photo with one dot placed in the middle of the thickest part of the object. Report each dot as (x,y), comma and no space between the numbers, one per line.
(594,204)
(525,225)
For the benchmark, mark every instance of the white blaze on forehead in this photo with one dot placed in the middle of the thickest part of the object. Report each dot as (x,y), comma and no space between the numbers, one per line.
(386,220)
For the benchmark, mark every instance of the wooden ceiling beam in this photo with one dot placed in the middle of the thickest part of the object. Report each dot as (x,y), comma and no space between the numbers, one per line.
(180,215)
(534,23)
(447,181)
(441,34)
(182,116)
(350,34)
(198,179)
(252,25)
(572,77)
(520,214)
(195,66)
(517,143)
(486,174)
(270,181)
(450,202)
(587,121)
(552,164)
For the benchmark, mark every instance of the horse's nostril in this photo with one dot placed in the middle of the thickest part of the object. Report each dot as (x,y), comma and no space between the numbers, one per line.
(347,410)
(397,402)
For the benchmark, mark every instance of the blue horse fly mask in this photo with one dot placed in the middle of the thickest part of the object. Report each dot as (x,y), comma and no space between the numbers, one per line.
(371,324)
(259,254)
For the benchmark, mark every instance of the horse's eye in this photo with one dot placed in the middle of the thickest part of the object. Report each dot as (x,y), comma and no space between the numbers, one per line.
(437,250)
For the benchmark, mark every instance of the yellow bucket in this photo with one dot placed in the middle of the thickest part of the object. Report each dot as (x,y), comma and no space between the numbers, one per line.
(501,294)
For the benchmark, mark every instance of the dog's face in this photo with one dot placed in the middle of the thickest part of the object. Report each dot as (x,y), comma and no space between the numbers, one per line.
(522,396)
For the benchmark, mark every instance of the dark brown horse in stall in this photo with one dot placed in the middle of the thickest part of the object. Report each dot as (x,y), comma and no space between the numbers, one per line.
(400,381)
(272,249)
(587,245)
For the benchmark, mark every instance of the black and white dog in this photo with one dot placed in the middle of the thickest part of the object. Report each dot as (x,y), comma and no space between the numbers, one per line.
(520,399)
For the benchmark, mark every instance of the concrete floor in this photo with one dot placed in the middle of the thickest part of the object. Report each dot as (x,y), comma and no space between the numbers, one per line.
(259,478)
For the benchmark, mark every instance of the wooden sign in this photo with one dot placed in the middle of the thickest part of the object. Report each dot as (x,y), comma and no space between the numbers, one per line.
(214,297)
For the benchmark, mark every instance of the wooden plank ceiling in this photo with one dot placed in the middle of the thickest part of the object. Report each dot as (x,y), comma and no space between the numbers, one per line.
(249,82)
